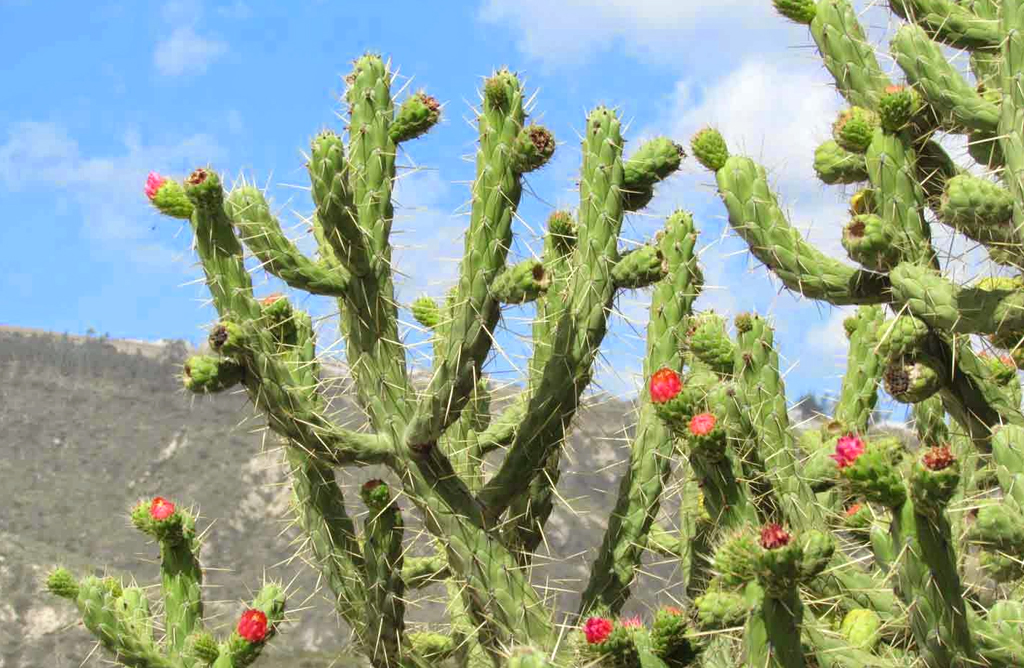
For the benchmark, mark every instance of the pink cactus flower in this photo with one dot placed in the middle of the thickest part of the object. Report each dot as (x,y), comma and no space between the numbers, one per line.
(848,449)
(252,625)
(702,423)
(665,385)
(161,508)
(631,622)
(153,183)
(597,629)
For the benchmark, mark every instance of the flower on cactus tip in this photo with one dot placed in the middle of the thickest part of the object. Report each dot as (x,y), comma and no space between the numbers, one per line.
(774,536)
(853,510)
(160,508)
(672,610)
(252,625)
(271,298)
(631,622)
(702,424)
(597,629)
(153,183)
(848,448)
(665,385)
(938,458)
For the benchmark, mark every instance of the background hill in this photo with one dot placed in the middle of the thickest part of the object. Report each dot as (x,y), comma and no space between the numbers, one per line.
(88,426)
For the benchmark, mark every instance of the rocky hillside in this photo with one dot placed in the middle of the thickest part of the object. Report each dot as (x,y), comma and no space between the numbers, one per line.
(89,426)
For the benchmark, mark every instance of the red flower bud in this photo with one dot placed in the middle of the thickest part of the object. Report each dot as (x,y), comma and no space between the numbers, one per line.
(252,625)
(938,458)
(161,508)
(597,629)
(665,385)
(774,536)
(702,423)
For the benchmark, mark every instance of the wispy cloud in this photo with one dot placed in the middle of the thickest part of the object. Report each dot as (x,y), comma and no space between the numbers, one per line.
(186,52)
(570,31)
(107,189)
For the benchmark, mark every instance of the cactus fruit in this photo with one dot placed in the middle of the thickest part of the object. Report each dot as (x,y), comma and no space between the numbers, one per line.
(767,578)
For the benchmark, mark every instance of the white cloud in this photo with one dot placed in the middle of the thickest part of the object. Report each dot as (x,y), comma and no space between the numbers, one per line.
(184,51)
(770,110)
(106,188)
(827,340)
(571,30)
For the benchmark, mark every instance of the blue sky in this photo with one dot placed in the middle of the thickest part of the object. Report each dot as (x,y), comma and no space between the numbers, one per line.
(116,89)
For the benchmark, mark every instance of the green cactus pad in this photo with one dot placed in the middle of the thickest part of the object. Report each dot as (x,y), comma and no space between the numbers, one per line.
(870,240)
(897,106)
(528,657)
(975,204)
(931,489)
(415,117)
(710,342)
(170,199)
(912,380)
(875,475)
(229,338)
(640,267)
(562,228)
(426,311)
(818,548)
(204,647)
(204,374)
(736,559)
(655,161)
(798,11)
(670,639)
(854,129)
(500,88)
(62,583)
(375,494)
(721,610)
(861,628)
(835,165)
(709,148)
(903,336)
(779,568)
(532,149)
(521,282)
(998,527)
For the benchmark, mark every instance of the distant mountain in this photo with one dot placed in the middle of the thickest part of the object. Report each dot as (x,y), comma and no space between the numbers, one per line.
(88,426)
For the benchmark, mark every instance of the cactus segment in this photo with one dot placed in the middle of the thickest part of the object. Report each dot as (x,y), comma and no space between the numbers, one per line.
(415,117)
(835,165)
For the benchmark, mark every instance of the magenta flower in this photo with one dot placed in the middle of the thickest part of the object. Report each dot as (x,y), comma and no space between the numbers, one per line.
(153,183)
(848,448)
(597,629)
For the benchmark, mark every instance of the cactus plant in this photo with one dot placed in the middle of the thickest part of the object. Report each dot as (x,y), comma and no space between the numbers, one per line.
(772,548)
